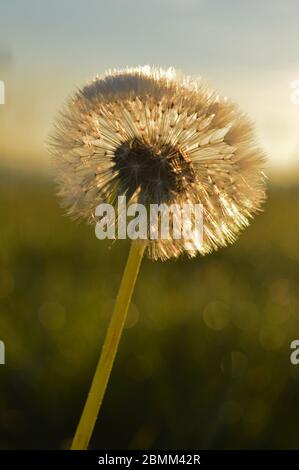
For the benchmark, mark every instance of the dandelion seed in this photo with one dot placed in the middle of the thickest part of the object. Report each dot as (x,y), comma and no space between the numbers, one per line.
(159,138)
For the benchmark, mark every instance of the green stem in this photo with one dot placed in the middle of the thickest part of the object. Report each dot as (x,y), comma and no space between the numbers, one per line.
(103,370)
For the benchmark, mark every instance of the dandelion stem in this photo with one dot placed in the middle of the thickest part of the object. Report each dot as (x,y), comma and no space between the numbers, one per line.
(103,370)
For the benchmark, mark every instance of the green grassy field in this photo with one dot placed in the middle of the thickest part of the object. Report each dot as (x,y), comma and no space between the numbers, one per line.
(203,362)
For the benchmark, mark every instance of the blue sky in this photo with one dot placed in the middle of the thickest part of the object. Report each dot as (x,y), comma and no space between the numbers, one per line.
(247,50)
(186,33)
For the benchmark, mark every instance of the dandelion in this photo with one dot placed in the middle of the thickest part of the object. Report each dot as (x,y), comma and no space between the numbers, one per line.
(156,137)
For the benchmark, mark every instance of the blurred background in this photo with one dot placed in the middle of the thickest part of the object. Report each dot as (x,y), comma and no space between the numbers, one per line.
(204,362)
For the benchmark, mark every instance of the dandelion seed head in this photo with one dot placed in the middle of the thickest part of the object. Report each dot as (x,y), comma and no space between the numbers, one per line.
(159,137)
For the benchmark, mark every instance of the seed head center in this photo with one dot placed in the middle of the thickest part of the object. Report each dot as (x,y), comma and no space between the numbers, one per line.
(160,175)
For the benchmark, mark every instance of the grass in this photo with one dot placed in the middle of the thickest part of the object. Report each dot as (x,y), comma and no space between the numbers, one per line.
(203,361)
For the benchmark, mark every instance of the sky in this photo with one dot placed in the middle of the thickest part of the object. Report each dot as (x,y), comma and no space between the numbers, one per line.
(248,51)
